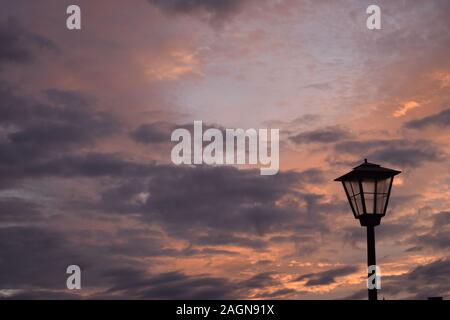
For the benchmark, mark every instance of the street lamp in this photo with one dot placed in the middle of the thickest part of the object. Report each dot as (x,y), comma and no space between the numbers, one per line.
(368,187)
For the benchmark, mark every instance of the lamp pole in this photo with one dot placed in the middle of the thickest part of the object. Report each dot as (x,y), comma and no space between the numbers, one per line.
(371,260)
(368,188)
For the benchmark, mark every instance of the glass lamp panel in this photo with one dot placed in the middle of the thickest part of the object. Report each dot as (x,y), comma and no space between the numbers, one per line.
(359,204)
(352,188)
(381,202)
(369,186)
(355,186)
(349,193)
(369,199)
(382,194)
(369,195)
(383,185)
(355,205)
(348,187)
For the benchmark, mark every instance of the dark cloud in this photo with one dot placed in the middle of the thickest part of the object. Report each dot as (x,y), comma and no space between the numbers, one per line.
(326,277)
(170,285)
(35,257)
(424,281)
(208,206)
(158,132)
(215,9)
(133,283)
(88,165)
(441,219)
(59,108)
(387,230)
(227,199)
(313,176)
(441,119)
(436,238)
(37,132)
(250,205)
(396,152)
(411,156)
(261,280)
(325,135)
(277,294)
(223,238)
(319,86)
(18,45)
(13,209)
(40,256)
(37,294)
(161,132)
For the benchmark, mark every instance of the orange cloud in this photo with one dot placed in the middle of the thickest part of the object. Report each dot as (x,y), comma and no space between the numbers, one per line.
(443,77)
(172,67)
(405,108)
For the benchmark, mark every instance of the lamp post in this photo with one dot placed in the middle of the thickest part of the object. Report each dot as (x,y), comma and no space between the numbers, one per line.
(368,187)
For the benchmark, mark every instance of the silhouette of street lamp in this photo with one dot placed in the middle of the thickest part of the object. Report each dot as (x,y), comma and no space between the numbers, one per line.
(368,187)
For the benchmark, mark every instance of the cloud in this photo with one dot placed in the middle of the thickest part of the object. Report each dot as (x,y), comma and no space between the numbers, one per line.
(37,132)
(217,10)
(279,294)
(18,45)
(136,284)
(36,294)
(169,285)
(260,280)
(441,119)
(407,106)
(39,256)
(326,277)
(443,78)
(439,240)
(295,124)
(215,238)
(313,176)
(161,132)
(248,204)
(436,238)
(319,86)
(388,231)
(88,165)
(132,283)
(429,280)
(411,156)
(64,109)
(441,219)
(174,66)
(396,152)
(158,132)
(325,135)
(14,209)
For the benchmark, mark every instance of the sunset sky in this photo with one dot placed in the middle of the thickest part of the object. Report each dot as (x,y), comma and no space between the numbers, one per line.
(86,176)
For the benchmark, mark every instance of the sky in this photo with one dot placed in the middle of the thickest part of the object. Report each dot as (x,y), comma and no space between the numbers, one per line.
(86,176)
